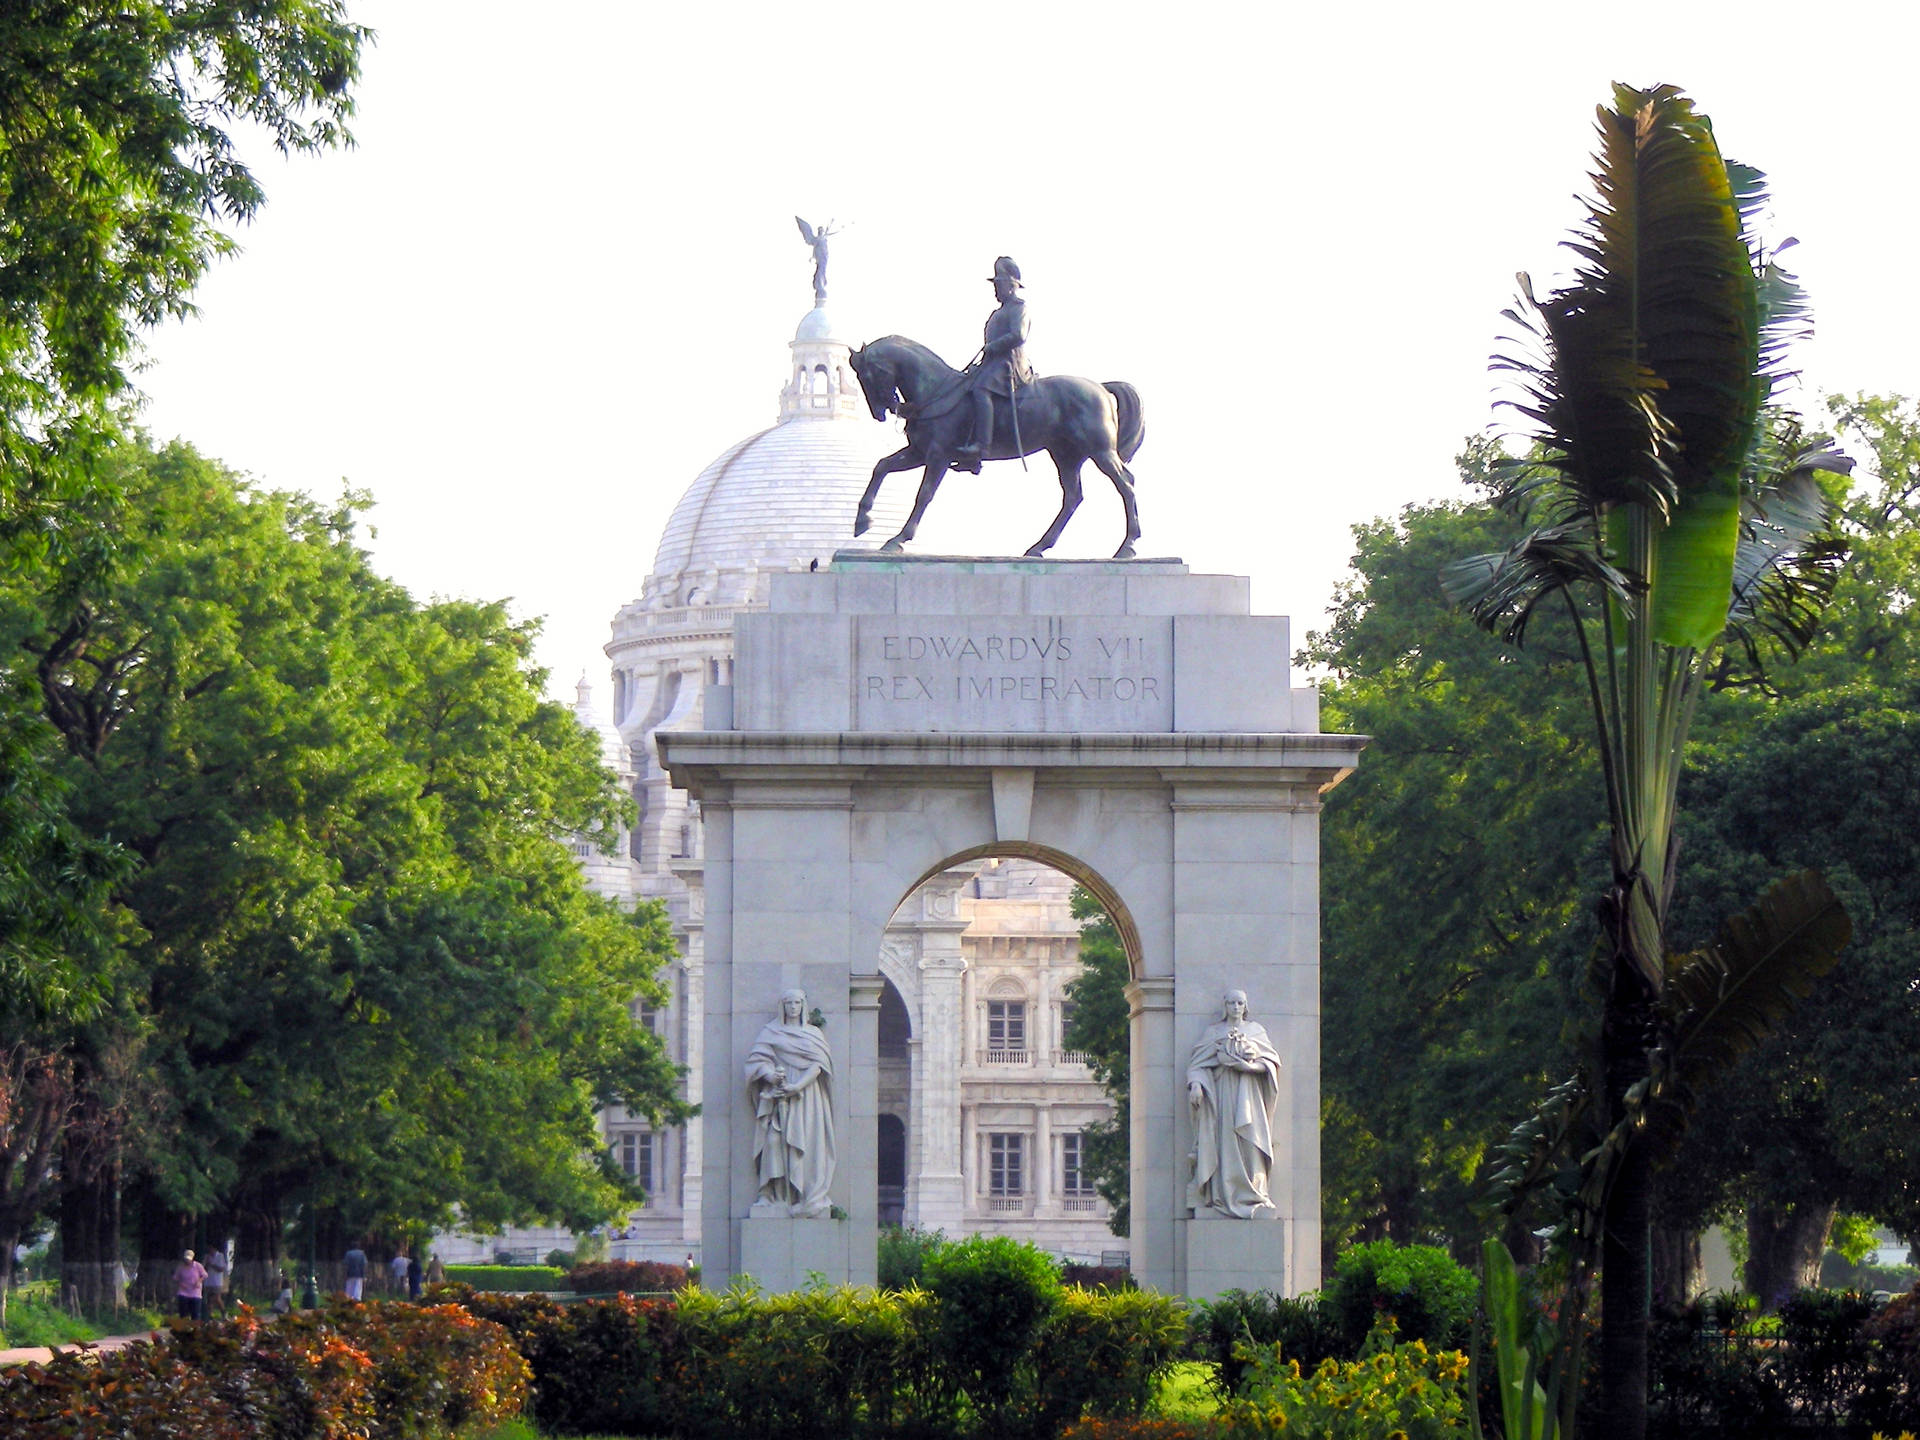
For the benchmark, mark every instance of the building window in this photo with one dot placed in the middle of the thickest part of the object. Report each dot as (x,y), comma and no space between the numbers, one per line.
(1006,1168)
(634,1153)
(1006,1024)
(1075,1183)
(647,1015)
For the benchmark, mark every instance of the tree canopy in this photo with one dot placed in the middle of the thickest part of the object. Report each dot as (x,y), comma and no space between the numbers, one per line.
(356,962)
(120,176)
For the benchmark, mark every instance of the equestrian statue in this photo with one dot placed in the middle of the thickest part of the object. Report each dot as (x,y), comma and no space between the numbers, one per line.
(997,409)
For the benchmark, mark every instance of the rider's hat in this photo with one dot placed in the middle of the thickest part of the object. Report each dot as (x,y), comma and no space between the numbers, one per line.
(1005,269)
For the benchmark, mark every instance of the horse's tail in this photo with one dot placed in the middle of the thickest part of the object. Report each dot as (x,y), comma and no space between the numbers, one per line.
(1133,423)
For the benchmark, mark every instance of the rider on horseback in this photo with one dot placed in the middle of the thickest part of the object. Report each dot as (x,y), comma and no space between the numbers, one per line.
(1002,364)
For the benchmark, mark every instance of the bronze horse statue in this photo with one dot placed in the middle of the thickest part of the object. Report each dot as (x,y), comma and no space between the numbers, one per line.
(1073,420)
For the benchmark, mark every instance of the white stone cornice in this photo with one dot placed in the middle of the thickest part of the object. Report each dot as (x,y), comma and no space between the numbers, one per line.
(697,758)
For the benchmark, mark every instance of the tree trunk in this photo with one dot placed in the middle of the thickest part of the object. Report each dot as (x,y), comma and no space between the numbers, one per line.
(8,1241)
(1625,1276)
(1679,1268)
(89,1250)
(1784,1246)
(1400,1208)
(257,1249)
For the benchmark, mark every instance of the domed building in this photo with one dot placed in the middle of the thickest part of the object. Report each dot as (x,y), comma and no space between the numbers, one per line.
(992,1145)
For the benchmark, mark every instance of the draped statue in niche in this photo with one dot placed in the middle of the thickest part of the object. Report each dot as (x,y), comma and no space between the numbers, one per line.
(1233,1089)
(790,1077)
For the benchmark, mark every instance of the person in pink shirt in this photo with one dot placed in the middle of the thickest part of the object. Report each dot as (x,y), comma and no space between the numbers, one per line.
(188,1276)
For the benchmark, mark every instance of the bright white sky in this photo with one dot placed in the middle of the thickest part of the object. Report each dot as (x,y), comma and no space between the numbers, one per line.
(559,272)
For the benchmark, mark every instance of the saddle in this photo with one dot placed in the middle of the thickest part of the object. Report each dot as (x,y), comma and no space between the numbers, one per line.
(956,395)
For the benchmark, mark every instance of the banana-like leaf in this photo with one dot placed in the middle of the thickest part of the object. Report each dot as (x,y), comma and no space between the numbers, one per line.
(1670,256)
(1789,555)
(1537,1152)
(1501,591)
(1640,379)
(1722,1001)
(1525,1410)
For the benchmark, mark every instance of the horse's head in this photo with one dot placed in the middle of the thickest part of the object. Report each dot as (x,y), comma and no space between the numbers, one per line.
(877,382)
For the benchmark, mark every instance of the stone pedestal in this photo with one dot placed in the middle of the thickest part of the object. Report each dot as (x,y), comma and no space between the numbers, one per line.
(1223,1254)
(780,1252)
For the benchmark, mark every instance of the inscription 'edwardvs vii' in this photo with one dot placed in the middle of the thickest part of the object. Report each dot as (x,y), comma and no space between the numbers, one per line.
(1048,673)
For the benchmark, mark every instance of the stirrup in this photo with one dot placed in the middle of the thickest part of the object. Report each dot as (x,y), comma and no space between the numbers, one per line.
(968,458)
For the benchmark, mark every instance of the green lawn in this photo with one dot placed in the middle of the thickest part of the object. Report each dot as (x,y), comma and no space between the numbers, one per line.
(1187,1392)
(33,1319)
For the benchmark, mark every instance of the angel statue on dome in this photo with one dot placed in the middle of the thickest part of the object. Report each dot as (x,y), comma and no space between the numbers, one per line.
(816,237)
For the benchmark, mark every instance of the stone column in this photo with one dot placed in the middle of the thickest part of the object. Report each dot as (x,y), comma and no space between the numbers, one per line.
(1042,1159)
(1158,1138)
(939,1040)
(693,1008)
(719,1234)
(860,1148)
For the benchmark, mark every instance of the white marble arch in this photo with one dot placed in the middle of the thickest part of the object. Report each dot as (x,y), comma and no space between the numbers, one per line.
(1189,806)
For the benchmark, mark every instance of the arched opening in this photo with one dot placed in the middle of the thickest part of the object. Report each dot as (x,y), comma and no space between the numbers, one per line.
(895,1102)
(892,1169)
(1004,1116)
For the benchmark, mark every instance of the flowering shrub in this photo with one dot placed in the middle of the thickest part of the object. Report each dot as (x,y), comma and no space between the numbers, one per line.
(296,1378)
(1403,1390)
(1232,1325)
(378,1372)
(437,1368)
(138,1391)
(633,1277)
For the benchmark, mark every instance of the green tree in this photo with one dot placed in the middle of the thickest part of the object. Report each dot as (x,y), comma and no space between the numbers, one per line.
(1826,1113)
(1665,506)
(118,172)
(366,977)
(1454,862)
(1101,1028)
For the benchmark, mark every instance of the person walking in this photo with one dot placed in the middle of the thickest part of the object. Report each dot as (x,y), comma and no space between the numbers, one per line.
(219,1271)
(188,1276)
(413,1278)
(355,1267)
(436,1271)
(283,1302)
(397,1269)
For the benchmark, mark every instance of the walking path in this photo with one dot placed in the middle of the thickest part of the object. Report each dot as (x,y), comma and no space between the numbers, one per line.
(41,1354)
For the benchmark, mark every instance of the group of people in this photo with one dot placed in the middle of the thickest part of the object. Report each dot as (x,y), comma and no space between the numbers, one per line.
(201,1288)
(404,1271)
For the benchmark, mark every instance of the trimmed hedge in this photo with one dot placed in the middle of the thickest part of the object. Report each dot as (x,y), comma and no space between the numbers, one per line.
(508,1277)
(629,1277)
(830,1364)
(381,1371)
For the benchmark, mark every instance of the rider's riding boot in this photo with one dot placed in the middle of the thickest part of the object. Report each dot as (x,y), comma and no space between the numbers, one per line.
(969,455)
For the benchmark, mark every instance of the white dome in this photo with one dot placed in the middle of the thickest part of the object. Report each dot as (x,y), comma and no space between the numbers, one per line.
(776,501)
(815,325)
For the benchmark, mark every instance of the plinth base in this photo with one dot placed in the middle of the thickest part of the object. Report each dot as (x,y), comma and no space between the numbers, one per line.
(782,1253)
(1227,1254)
